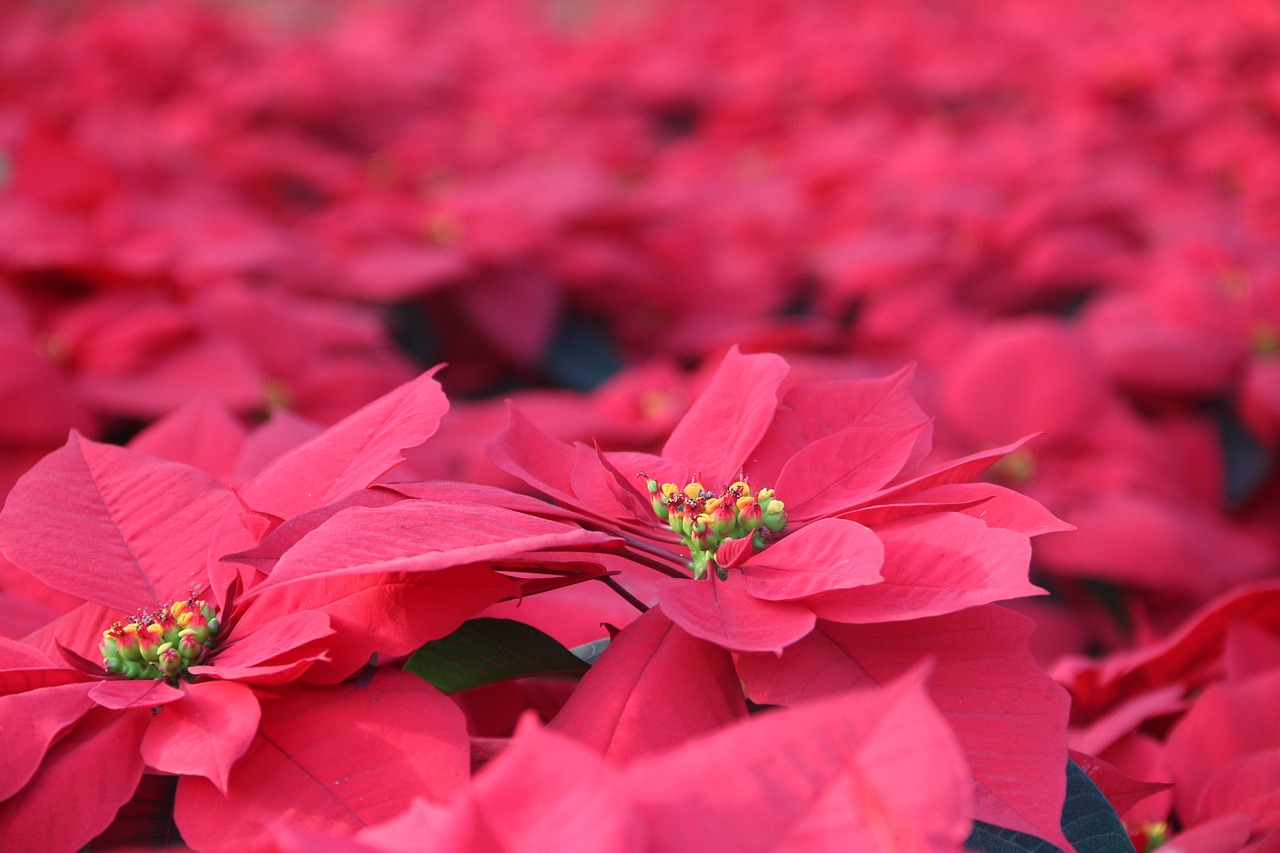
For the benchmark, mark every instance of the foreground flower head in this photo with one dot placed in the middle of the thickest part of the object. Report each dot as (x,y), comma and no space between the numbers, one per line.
(704,521)
(162,643)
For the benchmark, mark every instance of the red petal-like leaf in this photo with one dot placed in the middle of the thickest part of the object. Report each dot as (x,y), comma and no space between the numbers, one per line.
(1226,722)
(544,792)
(351,454)
(112,526)
(334,760)
(389,614)
(119,694)
(839,470)
(1120,789)
(202,434)
(82,783)
(1009,717)
(421,536)
(263,556)
(956,471)
(204,734)
(29,724)
(286,643)
(829,554)
(724,613)
(730,417)
(871,770)
(996,506)
(812,411)
(654,687)
(936,564)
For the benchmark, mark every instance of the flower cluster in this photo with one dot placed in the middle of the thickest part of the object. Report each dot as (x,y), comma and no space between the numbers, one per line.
(704,521)
(163,643)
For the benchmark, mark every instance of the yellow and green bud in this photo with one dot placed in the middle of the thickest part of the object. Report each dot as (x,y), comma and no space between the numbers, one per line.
(163,643)
(704,520)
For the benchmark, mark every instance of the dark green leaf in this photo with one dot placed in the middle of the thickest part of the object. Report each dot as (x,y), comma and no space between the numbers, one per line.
(483,651)
(1088,821)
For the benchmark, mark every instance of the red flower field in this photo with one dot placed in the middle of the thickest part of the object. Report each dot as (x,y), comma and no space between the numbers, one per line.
(646,426)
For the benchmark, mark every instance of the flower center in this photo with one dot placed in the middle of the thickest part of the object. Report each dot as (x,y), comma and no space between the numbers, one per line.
(705,520)
(162,643)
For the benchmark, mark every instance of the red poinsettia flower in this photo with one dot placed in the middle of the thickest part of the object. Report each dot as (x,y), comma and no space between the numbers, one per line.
(246,682)
(828,547)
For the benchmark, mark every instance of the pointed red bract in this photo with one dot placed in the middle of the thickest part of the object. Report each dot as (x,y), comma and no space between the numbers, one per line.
(351,454)
(654,687)
(85,778)
(1227,722)
(202,434)
(112,526)
(390,615)
(1010,718)
(874,770)
(829,554)
(814,410)
(399,739)
(278,650)
(420,536)
(205,733)
(935,564)
(831,473)
(723,612)
(545,792)
(730,417)
(30,722)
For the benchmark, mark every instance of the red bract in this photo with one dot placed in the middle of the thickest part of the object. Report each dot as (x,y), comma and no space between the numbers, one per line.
(868,550)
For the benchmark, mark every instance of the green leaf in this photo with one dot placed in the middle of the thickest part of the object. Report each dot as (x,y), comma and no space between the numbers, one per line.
(1088,821)
(483,651)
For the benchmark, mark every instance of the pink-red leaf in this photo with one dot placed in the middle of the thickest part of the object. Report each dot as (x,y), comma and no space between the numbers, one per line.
(870,770)
(205,733)
(654,687)
(839,470)
(1009,717)
(385,614)
(29,724)
(202,434)
(113,526)
(731,415)
(813,410)
(936,564)
(724,613)
(287,643)
(119,694)
(829,554)
(351,454)
(84,780)
(421,536)
(544,793)
(334,760)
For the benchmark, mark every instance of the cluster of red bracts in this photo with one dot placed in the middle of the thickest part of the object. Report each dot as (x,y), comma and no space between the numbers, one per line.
(232,236)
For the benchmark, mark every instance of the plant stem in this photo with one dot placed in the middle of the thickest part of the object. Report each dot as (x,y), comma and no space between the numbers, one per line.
(628,597)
